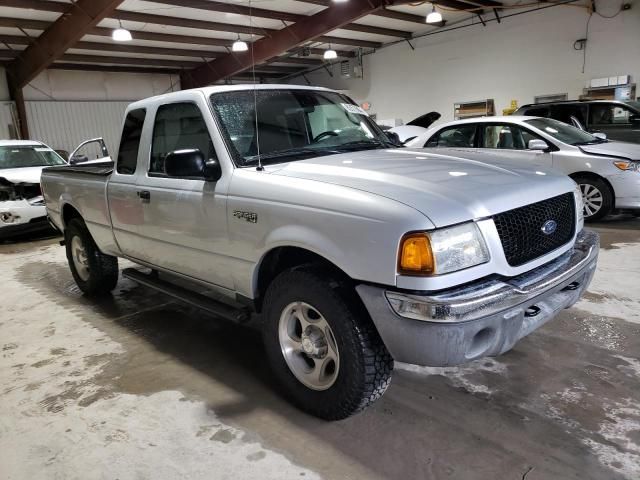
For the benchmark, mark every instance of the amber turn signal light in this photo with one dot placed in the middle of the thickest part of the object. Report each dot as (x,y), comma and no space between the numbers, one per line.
(416,257)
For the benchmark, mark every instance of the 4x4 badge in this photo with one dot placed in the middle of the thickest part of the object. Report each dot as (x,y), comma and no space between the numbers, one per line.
(248,216)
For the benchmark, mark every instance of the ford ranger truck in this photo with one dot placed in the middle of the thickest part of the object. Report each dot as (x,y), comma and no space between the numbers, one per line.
(288,207)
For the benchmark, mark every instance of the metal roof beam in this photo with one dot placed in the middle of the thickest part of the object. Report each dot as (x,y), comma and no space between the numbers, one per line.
(312,27)
(62,34)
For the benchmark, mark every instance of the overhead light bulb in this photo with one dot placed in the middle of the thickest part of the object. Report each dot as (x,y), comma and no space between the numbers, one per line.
(330,54)
(239,45)
(121,34)
(434,16)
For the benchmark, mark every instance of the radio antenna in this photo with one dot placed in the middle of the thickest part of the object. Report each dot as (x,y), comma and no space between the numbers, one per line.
(255,92)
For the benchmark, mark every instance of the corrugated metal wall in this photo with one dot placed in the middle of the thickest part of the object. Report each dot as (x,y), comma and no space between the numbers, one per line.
(7,122)
(64,125)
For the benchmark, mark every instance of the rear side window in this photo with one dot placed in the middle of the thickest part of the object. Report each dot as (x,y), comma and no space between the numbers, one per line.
(178,126)
(130,142)
(458,136)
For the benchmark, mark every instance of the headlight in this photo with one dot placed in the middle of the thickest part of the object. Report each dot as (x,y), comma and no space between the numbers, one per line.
(577,194)
(442,251)
(627,165)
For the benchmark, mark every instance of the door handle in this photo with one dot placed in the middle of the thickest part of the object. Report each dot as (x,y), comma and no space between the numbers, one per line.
(144,195)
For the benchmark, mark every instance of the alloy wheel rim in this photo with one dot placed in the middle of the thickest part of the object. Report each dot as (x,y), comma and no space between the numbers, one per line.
(592,199)
(308,346)
(80,259)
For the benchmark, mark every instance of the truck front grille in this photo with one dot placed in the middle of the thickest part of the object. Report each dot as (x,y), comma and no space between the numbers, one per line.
(522,230)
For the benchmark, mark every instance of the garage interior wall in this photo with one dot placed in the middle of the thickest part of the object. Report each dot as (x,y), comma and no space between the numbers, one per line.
(519,58)
(66,107)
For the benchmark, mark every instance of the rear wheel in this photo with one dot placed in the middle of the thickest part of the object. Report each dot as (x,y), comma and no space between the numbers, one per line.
(94,272)
(596,197)
(322,346)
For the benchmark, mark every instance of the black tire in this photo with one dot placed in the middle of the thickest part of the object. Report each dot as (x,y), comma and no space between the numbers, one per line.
(102,275)
(606,205)
(365,365)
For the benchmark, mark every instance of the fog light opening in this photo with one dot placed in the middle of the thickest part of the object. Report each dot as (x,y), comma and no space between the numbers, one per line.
(571,286)
(532,311)
(481,343)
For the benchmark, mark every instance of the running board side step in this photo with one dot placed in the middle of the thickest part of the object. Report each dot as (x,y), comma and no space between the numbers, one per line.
(227,312)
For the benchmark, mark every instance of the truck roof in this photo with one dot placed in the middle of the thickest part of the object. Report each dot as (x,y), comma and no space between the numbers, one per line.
(227,88)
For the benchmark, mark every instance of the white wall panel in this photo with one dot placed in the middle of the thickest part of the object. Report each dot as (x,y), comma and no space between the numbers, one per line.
(63,125)
(517,59)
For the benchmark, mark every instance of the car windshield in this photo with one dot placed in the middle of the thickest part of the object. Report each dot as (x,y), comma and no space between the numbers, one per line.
(28,156)
(292,125)
(563,132)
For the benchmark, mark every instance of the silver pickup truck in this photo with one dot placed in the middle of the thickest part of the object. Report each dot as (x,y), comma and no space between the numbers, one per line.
(287,207)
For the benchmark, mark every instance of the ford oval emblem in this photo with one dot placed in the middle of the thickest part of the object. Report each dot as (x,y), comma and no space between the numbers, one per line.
(549,227)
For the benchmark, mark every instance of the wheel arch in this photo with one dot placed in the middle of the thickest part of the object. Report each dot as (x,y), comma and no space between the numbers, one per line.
(595,176)
(69,212)
(285,257)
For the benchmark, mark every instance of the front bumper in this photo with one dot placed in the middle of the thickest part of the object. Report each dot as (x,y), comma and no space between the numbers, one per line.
(484,318)
(36,224)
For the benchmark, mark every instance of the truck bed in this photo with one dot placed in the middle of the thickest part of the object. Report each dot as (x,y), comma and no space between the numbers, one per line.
(101,169)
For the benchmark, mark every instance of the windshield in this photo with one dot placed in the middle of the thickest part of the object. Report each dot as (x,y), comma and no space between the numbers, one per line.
(29,156)
(563,132)
(292,125)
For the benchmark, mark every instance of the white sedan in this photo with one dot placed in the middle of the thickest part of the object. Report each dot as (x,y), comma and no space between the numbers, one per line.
(608,172)
(22,207)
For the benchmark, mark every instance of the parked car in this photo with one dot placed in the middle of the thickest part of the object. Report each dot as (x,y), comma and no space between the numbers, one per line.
(294,209)
(415,127)
(618,120)
(22,208)
(608,172)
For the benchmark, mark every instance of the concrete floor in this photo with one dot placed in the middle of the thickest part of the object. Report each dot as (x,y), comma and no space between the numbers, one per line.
(135,386)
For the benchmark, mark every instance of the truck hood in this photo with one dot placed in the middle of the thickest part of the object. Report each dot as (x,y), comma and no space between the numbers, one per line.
(22,175)
(627,150)
(443,186)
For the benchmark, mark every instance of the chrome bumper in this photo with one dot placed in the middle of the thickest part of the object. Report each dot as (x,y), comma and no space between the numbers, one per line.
(483,318)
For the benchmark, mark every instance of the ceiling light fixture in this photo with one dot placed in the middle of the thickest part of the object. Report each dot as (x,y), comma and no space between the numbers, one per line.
(239,45)
(330,54)
(121,34)
(434,16)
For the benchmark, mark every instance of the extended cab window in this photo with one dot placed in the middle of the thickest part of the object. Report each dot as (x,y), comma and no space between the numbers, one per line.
(458,136)
(130,142)
(178,126)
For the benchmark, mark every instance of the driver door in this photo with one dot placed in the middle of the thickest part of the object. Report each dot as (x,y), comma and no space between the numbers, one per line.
(184,226)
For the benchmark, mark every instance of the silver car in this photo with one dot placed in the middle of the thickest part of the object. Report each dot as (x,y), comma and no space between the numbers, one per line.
(608,172)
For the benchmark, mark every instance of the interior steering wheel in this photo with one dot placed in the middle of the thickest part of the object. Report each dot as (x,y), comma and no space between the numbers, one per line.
(328,133)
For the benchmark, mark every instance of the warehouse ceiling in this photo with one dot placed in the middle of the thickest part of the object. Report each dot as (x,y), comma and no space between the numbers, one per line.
(194,37)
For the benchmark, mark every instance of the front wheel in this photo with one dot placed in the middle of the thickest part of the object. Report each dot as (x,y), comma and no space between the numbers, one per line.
(94,272)
(596,197)
(322,346)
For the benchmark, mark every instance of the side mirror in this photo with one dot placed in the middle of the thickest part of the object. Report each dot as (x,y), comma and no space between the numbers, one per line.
(78,159)
(184,163)
(212,170)
(600,135)
(190,163)
(539,145)
(634,118)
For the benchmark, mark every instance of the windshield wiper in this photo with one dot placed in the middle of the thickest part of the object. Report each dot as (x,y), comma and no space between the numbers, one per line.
(597,141)
(359,145)
(289,152)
